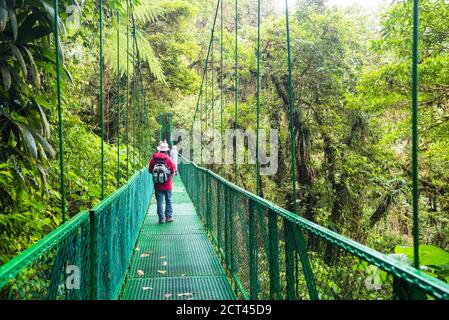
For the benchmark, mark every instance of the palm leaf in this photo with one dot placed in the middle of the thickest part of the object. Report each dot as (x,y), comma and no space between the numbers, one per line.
(28,21)
(44,143)
(16,52)
(32,34)
(50,11)
(3,15)
(147,54)
(49,57)
(15,76)
(43,174)
(44,121)
(32,138)
(4,171)
(61,27)
(28,139)
(111,50)
(29,31)
(34,69)
(147,11)
(13,20)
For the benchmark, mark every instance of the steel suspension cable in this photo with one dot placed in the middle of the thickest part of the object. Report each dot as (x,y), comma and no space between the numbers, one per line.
(206,103)
(142,96)
(160,130)
(170,142)
(139,110)
(136,115)
(139,121)
(141,113)
(127,90)
(212,88)
(133,96)
(415,136)
(139,62)
(236,102)
(118,98)
(290,95)
(136,91)
(221,83)
(58,93)
(201,127)
(200,95)
(101,100)
(290,249)
(142,88)
(140,118)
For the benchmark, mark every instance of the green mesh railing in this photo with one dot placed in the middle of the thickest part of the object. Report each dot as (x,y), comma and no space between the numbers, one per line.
(95,247)
(252,234)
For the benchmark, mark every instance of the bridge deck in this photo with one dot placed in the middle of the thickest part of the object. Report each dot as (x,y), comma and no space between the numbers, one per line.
(176,261)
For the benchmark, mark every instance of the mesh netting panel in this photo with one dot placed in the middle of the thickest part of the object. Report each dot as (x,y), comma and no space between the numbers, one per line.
(271,253)
(339,274)
(54,268)
(87,257)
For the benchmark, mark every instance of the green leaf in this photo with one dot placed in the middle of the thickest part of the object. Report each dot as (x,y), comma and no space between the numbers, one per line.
(41,153)
(44,143)
(68,74)
(3,15)
(23,195)
(28,139)
(28,20)
(428,255)
(148,11)
(33,34)
(13,19)
(43,174)
(45,124)
(34,69)
(19,57)
(61,27)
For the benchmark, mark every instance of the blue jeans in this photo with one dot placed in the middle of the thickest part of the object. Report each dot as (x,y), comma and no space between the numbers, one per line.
(160,195)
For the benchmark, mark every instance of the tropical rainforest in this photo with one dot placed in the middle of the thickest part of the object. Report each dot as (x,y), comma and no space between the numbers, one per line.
(352,109)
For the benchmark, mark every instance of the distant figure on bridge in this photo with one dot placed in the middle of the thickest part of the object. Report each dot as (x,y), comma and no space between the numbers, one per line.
(174,157)
(162,169)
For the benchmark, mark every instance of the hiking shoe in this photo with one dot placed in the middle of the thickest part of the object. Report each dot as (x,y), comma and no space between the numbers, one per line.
(161,221)
(169,219)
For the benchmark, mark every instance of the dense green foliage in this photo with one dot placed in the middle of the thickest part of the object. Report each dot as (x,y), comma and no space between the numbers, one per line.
(29,172)
(352,122)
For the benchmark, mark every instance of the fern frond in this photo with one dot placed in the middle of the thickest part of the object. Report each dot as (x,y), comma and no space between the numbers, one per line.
(144,11)
(145,49)
(110,52)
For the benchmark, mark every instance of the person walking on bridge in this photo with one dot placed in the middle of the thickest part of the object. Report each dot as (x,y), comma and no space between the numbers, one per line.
(162,169)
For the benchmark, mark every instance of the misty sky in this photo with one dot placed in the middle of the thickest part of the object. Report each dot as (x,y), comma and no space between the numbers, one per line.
(365,3)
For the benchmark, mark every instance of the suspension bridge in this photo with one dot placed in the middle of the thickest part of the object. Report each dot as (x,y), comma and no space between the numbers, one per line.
(226,243)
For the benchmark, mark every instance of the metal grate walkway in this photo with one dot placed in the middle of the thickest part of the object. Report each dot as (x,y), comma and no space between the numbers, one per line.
(176,261)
